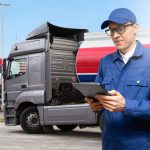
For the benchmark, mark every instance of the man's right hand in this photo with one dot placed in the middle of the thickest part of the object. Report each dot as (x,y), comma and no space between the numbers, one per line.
(94,105)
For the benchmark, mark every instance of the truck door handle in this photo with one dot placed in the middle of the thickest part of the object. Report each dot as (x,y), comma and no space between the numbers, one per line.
(24,86)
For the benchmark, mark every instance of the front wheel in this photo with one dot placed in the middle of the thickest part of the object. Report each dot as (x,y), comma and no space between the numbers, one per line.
(30,120)
(66,127)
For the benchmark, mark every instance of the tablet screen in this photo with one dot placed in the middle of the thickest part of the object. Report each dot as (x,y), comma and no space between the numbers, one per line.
(90,89)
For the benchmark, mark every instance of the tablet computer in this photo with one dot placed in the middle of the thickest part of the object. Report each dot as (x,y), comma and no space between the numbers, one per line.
(90,89)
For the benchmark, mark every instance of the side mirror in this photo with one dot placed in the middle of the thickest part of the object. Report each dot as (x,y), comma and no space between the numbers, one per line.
(4,68)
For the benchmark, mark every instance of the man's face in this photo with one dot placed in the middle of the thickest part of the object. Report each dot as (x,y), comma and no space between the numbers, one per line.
(123,36)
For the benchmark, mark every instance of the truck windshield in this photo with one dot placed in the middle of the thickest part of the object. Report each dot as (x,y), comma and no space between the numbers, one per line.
(17,67)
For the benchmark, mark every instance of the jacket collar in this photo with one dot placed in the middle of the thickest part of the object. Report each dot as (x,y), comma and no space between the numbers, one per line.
(138,52)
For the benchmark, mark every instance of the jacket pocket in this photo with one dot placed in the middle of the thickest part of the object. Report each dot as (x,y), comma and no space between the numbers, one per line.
(107,83)
(137,88)
(143,83)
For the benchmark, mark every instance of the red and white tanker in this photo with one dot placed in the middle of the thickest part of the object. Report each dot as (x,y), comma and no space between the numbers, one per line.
(95,47)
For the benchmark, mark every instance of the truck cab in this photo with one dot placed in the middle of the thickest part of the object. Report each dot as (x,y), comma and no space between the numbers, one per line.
(38,79)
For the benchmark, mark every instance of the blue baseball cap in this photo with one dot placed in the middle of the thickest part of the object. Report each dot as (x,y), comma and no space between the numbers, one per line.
(120,16)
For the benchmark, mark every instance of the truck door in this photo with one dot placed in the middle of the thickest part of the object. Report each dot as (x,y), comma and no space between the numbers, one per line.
(17,79)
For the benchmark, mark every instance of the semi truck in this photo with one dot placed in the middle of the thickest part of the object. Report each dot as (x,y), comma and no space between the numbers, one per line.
(39,72)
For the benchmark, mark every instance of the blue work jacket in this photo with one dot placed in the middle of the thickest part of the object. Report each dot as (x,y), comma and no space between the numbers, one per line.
(128,130)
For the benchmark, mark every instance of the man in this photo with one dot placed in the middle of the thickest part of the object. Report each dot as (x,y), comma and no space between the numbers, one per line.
(126,75)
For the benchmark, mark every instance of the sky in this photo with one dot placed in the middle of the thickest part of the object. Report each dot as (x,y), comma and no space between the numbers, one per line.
(23,16)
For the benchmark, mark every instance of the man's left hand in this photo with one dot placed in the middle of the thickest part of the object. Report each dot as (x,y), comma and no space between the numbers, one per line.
(113,103)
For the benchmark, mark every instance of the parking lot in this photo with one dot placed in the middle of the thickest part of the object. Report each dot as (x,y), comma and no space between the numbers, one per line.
(14,138)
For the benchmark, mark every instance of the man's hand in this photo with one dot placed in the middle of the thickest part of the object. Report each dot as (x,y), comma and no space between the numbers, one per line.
(113,103)
(94,105)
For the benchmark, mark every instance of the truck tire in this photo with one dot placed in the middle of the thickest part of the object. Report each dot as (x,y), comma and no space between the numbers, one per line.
(30,121)
(66,127)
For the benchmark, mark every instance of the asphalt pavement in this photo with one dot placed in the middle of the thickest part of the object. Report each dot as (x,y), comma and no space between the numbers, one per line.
(14,138)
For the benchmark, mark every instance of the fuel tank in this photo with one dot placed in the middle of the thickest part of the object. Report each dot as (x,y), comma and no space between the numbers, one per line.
(90,52)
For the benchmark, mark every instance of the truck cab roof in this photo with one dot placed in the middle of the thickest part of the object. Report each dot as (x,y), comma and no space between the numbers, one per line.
(36,40)
(54,30)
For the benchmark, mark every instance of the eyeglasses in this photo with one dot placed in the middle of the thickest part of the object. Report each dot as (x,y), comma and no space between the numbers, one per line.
(120,29)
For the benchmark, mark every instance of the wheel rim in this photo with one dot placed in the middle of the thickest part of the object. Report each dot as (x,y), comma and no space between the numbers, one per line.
(33,120)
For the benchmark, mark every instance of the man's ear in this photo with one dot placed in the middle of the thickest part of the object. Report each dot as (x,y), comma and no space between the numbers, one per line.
(136,28)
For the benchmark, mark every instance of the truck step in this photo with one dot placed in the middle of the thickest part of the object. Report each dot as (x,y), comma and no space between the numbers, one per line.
(10,114)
